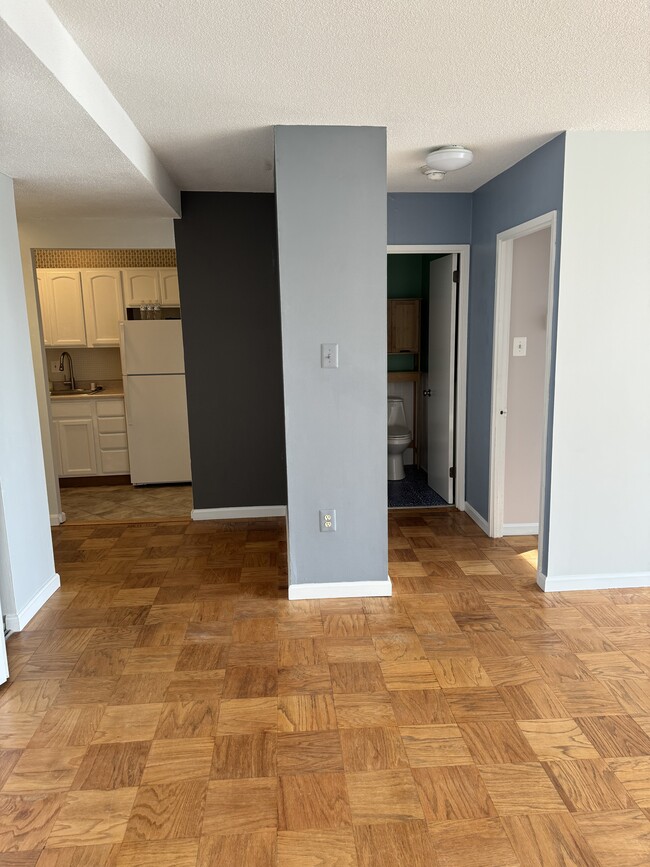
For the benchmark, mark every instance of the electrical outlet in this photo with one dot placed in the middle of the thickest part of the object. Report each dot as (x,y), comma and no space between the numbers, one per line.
(329,355)
(54,367)
(327,520)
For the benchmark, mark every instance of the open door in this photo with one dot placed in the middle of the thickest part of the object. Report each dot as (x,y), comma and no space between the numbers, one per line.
(439,395)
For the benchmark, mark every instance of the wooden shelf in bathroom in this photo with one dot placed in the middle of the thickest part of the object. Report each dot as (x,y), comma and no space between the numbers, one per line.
(403,375)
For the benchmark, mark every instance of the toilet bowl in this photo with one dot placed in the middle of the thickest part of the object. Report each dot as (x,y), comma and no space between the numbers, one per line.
(399,438)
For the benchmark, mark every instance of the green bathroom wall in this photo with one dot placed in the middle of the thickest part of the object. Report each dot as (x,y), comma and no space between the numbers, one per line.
(408,277)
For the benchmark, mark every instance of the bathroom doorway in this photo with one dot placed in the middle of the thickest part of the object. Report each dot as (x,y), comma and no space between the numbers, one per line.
(426,365)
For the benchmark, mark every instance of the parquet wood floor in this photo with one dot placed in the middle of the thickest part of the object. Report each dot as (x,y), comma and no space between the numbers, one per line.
(169,706)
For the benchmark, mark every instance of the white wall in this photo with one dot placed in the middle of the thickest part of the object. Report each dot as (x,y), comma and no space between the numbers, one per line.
(331,204)
(525,419)
(599,522)
(74,233)
(27,561)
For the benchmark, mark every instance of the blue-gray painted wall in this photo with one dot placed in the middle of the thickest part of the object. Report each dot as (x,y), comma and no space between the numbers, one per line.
(423,218)
(530,188)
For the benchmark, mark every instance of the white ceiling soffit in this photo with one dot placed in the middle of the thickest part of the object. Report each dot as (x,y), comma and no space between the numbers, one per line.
(205,82)
(61,124)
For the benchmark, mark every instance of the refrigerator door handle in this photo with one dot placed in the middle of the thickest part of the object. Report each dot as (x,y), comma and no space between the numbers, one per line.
(127,410)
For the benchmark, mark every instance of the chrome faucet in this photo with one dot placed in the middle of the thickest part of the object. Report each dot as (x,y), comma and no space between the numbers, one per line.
(70,381)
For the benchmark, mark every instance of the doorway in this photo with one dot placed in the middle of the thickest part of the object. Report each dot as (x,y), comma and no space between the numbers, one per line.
(432,382)
(116,405)
(521,376)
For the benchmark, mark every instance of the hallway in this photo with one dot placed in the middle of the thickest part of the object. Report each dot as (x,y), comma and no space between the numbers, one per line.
(169,706)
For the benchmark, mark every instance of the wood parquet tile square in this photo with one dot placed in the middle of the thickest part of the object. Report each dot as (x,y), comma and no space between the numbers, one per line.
(169,705)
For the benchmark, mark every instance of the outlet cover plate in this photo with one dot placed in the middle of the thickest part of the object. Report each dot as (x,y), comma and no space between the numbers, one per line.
(327,520)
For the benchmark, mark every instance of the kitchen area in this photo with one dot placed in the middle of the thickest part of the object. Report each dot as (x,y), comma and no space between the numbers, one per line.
(111,330)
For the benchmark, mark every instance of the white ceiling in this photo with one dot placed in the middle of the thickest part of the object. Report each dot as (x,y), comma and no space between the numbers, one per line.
(205,82)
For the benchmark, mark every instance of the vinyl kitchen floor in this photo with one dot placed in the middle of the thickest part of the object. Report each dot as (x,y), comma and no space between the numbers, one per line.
(126,502)
(170,706)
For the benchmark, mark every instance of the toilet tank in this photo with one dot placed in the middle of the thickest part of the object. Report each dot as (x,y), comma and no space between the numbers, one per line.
(396,416)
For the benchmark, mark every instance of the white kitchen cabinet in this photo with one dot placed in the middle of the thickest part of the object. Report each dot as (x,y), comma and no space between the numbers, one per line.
(141,286)
(90,436)
(77,449)
(62,307)
(103,306)
(169,294)
(112,445)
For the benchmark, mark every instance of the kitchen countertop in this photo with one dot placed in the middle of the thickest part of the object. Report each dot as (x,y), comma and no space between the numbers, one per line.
(109,390)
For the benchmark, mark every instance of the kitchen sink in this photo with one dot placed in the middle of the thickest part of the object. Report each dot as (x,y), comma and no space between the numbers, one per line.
(64,392)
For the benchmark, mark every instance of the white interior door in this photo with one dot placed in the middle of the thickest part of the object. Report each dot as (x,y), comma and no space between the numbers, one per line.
(439,394)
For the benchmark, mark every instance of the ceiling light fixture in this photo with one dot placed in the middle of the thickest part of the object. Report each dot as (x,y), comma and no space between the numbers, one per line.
(447,158)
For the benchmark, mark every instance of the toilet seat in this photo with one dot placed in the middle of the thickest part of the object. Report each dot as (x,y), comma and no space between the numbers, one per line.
(398,432)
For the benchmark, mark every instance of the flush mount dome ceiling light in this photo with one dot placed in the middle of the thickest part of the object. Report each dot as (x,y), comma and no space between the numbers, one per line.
(445,159)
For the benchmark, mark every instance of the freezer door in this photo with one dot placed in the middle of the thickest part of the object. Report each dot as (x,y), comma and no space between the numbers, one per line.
(151,347)
(156,415)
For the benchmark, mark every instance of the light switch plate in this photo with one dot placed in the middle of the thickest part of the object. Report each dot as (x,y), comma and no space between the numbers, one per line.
(329,355)
(519,346)
(54,367)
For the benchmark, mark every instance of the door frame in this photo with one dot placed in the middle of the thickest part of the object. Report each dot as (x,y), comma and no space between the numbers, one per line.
(461,351)
(500,362)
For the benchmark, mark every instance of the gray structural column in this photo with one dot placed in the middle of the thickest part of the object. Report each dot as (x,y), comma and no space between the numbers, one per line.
(331,208)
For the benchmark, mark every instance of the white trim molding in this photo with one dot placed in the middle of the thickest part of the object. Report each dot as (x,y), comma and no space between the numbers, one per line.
(463,251)
(341,589)
(18,621)
(230,514)
(478,519)
(521,529)
(501,360)
(612,581)
(55,520)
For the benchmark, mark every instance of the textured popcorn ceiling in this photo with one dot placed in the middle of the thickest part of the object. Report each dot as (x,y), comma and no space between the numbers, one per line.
(205,81)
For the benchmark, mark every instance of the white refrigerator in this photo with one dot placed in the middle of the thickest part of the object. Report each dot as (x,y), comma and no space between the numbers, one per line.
(153,371)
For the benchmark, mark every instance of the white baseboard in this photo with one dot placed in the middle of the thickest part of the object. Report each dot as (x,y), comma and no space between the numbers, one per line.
(521,529)
(612,581)
(341,589)
(238,512)
(57,519)
(478,519)
(16,622)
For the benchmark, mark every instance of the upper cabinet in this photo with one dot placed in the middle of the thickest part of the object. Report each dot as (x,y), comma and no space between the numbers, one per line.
(169,294)
(62,308)
(141,286)
(84,307)
(103,306)
(150,285)
(404,325)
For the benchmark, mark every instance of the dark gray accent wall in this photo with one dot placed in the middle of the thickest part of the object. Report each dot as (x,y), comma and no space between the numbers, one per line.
(429,218)
(528,189)
(226,247)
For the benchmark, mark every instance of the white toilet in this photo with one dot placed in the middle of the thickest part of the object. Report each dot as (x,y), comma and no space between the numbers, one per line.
(399,438)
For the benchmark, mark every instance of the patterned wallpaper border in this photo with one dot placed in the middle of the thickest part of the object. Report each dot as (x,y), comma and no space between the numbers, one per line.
(105,258)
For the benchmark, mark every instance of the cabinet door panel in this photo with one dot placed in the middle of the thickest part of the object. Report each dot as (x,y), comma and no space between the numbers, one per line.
(103,306)
(141,285)
(115,461)
(66,308)
(169,293)
(404,326)
(77,446)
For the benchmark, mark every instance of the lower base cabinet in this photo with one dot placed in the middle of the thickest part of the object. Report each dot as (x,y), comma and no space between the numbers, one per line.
(90,437)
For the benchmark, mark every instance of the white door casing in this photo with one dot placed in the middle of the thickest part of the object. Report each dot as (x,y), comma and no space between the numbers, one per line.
(463,252)
(439,403)
(500,363)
